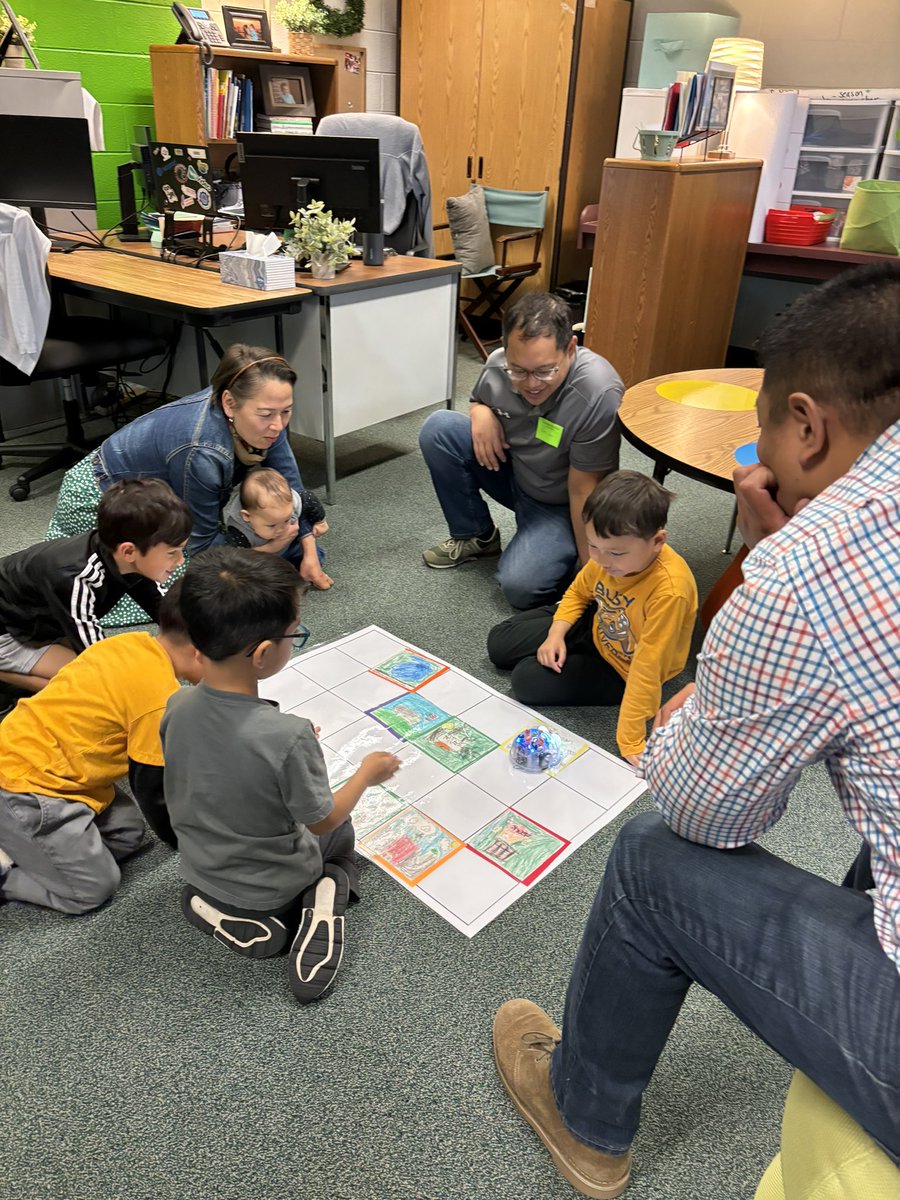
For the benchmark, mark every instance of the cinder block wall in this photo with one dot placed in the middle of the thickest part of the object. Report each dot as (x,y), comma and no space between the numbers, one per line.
(106,40)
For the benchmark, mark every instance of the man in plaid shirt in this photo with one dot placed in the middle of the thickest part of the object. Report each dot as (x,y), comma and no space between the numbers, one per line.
(802,665)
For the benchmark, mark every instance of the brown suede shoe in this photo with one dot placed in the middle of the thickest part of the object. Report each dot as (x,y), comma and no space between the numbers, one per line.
(524,1039)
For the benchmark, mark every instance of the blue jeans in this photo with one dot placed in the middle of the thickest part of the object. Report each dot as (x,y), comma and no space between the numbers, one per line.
(795,957)
(539,563)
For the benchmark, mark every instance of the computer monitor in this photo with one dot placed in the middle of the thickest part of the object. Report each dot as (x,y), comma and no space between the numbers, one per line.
(46,163)
(283,172)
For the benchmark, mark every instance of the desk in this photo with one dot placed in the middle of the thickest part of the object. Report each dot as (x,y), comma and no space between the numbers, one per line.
(378,342)
(374,343)
(139,281)
(697,442)
(805,264)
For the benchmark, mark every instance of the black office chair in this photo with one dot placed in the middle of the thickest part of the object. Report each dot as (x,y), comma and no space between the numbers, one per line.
(73,346)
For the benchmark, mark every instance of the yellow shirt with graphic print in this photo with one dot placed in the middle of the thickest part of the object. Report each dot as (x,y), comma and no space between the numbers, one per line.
(642,628)
(73,740)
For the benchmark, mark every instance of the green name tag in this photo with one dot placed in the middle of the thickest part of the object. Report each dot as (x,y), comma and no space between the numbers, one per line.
(548,431)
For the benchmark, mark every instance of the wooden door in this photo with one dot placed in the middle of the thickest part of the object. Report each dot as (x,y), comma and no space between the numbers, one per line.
(440,63)
(526,59)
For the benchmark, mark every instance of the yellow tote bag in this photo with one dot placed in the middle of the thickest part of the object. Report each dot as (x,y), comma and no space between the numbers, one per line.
(873,218)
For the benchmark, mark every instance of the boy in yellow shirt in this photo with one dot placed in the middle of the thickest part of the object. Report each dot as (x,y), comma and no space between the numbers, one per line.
(639,634)
(65,824)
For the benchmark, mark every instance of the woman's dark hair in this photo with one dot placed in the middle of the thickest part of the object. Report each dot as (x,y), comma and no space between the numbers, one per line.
(539,314)
(232,599)
(838,343)
(143,511)
(627,504)
(243,370)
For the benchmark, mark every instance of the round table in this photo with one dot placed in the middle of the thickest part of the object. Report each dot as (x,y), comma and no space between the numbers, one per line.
(695,441)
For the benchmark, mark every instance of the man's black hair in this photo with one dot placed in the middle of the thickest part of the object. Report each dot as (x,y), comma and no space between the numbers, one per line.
(840,344)
(143,511)
(627,504)
(233,599)
(539,314)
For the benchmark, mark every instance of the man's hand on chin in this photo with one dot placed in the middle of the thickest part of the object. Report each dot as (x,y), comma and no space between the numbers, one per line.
(759,513)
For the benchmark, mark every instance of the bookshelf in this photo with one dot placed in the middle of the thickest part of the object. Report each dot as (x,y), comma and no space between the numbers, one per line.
(178,93)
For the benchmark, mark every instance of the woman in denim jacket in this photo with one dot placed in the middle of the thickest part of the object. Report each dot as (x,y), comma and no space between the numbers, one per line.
(202,446)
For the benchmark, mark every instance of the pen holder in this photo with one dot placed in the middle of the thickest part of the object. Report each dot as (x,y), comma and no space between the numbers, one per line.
(656,144)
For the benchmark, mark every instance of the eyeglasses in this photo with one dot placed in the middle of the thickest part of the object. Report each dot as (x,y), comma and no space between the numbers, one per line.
(541,374)
(299,639)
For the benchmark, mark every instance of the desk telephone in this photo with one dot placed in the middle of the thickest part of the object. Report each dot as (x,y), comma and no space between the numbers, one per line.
(198,26)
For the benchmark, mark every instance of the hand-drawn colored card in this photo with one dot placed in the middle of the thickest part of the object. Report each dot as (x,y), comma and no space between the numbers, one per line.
(454,744)
(410,669)
(375,806)
(410,845)
(571,746)
(339,769)
(409,714)
(518,846)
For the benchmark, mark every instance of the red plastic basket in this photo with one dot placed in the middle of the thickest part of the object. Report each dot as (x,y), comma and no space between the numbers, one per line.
(797,226)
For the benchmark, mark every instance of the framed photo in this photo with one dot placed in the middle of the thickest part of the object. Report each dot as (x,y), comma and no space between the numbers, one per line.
(247,28)
(286,90)
(716,103)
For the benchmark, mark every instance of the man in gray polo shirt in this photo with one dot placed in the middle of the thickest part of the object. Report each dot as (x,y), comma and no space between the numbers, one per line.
(540,435)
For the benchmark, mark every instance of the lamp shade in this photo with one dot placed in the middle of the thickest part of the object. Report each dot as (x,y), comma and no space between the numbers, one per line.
(746,56)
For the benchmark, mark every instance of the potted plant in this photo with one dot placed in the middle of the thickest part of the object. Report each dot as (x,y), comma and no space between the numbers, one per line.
(15,54)
(301,18)
(319,241)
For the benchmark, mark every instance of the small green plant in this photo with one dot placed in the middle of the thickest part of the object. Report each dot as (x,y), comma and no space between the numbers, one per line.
(28,27)
(314,234)
(300,16)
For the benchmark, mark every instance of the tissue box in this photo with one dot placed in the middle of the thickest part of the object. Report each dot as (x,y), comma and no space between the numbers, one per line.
(266,273)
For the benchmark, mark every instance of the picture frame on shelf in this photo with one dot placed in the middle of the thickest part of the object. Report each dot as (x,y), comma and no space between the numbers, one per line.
(247,28)
(716,103)
(286,90)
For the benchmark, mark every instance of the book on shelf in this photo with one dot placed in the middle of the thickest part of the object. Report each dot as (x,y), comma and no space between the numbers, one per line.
(227,103)
(284,124)
(698,103)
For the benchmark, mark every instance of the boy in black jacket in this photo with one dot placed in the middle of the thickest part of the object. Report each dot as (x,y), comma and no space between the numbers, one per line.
(53,594)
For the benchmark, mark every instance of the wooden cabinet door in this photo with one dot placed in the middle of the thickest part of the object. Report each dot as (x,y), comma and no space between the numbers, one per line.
(440,61)
(526,57)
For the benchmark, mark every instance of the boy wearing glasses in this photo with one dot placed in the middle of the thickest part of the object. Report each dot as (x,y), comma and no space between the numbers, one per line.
(266,850)
(540,435)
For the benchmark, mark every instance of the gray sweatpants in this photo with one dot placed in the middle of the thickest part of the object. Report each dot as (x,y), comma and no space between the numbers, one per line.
(65,855)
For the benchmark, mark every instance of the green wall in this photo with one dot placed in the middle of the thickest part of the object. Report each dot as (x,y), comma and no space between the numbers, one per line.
(106,40)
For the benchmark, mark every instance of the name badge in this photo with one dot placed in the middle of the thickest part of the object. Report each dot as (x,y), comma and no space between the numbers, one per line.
(548,431)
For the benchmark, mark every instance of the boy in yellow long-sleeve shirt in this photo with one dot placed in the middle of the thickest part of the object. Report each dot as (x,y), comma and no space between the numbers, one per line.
(638,636)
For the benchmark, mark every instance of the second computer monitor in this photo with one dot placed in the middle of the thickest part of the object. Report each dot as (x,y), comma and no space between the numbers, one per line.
(282,172)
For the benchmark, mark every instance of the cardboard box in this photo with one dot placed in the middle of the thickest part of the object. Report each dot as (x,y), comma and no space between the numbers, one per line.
(265,274)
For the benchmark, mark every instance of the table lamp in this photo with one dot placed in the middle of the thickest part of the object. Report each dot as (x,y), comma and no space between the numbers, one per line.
(746,56)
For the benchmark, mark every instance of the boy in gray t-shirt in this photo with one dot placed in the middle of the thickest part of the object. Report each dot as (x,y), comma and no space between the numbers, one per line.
(263,843)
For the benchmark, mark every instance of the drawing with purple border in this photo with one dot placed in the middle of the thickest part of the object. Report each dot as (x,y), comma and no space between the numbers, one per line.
(409,669)
(409,714)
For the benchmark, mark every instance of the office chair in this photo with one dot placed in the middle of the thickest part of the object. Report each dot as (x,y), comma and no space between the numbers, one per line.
(525,212)
(39,340)
(405,185)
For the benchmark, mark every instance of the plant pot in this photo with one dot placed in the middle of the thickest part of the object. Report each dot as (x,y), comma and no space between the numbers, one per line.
(301,44)
(321,267)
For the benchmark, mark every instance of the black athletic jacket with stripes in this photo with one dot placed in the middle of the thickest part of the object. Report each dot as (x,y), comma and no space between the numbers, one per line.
(61,588)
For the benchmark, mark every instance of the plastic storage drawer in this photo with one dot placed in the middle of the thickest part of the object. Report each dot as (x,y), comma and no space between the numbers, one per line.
(836,125)
(839,172)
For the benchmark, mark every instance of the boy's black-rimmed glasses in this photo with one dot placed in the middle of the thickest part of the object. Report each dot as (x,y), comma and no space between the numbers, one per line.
(299,638)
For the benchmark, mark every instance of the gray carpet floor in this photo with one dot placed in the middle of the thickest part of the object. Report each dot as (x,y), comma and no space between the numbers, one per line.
(142,1061)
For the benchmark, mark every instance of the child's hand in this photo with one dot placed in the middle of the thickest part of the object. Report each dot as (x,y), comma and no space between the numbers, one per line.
(275,545)
(552,653)
(378,767)
(319,528)
(314,575)
(634,760)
